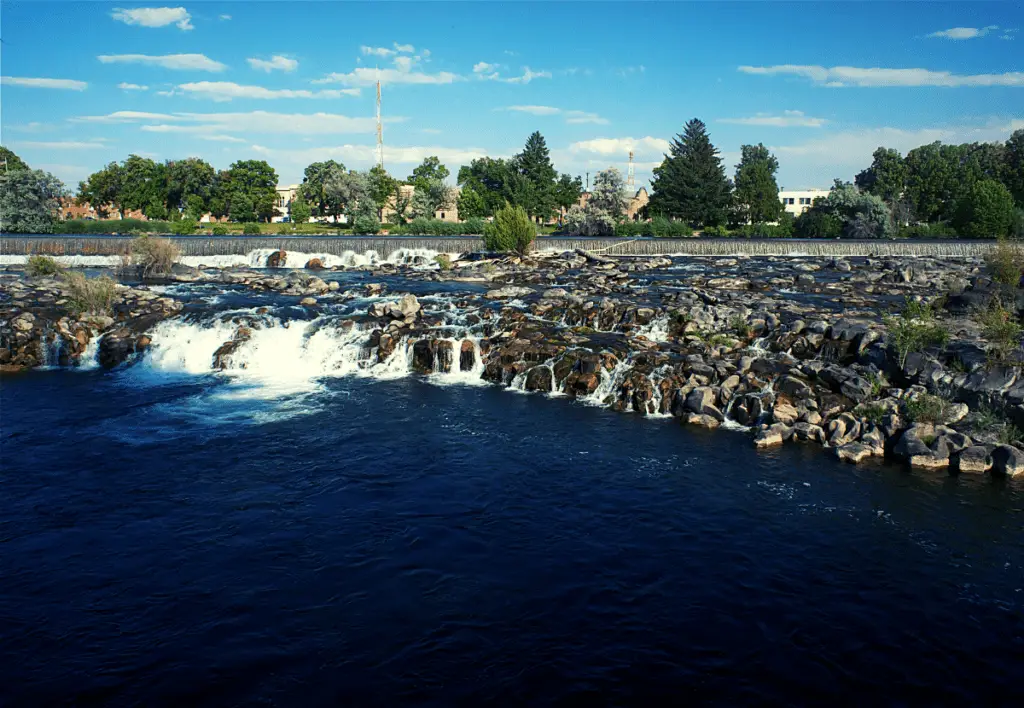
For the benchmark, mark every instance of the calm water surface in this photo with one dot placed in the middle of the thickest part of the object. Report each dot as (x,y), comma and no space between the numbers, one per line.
(188,540)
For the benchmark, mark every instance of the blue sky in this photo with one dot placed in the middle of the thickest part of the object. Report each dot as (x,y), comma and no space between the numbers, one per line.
(822,84)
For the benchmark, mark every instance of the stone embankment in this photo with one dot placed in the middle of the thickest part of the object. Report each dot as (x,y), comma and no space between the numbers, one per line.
(790,349)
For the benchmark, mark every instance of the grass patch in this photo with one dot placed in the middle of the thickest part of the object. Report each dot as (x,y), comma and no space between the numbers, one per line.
(878,383)
(927,408)
(90,296)
(914,330)
(444,261)
(1001,330)
(874,413)
(1005,262)
(42,267)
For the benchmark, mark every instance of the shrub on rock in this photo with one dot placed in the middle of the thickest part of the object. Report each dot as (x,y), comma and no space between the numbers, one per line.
(511,231)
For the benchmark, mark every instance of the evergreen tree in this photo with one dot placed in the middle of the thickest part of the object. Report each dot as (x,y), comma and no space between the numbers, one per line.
(534,163)
(11,161)
(757,192)
(470,204)
(691,184)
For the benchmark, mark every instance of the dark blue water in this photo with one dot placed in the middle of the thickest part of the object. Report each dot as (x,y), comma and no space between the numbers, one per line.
(176,542)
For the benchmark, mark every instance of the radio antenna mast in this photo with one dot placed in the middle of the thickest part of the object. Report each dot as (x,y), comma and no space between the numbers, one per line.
(380,128)
(630,183)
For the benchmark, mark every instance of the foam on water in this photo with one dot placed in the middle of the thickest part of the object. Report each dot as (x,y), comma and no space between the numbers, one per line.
(69,261)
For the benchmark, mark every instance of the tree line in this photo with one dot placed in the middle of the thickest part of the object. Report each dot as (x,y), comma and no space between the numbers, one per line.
(973,190)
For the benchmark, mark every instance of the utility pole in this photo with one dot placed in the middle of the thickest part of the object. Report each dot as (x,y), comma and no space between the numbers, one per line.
(630,183)
(380,130)
(588,182)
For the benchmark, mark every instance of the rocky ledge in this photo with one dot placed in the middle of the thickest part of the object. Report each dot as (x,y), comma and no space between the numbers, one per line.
(791,349)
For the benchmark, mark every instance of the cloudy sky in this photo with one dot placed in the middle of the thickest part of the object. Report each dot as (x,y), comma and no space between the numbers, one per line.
(822,84)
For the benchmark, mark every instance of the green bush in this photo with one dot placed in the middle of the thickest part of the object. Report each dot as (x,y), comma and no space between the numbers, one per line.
(716,231)
(817,223)
(220,230)
(1001,330)
(365,225)
(444,261)
(926,408)
(89,226)
(914,330)
(42,266)
(184,227)
(153,256)
(937,230)
(93,296)
(250,229)
(1005,263)
(511,230)
(986,210)
(474,226)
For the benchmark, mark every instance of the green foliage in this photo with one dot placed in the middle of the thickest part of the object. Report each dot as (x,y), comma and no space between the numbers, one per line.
(430,197)
(430,170)
(935,180)
(567,191)
(938,230)
(1005,263)
(28,201)
(42,267)
(605,206)
(365,225)
(926,408)
(251,229)
(862,215)
(874,413)
(473,226)
(444,261)
(818,222)
(716,231)
(184,227)
(490,179)
(92,296)
(249,189)
(470,204)
(511,230)
(536,192)
(757,193)
(220,230)
(190,186)
(691,184)
(153,256)
(914,330)
(124,226)
(986,210)
(242,208)
(314,186)
(11,161)
(1001,330)
(1013,166)
(739,325)
(380,187)
(887,176)
(299,211)
(1009,434)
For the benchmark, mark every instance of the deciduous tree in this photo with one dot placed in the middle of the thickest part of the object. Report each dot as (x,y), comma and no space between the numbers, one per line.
(28,201)
(986,210)
(887,176)
(757,192)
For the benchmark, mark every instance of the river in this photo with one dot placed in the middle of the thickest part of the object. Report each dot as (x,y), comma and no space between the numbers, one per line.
(295,532)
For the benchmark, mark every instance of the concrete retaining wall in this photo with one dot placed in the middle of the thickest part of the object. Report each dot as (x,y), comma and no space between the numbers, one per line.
(385,246)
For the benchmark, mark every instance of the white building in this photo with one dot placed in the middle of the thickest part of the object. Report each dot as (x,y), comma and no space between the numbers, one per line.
(796,202)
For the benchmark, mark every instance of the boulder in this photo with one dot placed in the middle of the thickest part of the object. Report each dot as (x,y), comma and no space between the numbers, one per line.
(314,264)
(277,259)
(467,356)
(307,301)
(772,436)
(1008,461)
(704,421)
(784,413)
(975,459)
(853,453)
(509,291)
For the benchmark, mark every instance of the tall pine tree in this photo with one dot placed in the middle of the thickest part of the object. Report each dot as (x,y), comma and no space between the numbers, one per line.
(691,184)
(534,164)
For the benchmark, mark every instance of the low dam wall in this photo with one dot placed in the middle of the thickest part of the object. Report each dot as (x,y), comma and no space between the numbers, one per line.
(387,246)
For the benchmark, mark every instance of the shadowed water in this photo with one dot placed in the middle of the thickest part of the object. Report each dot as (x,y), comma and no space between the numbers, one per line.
(179,539)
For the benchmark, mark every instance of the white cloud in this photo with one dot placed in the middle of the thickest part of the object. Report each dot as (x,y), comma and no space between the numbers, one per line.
(68,84)
(154,17)
(580,117)
(124,117)
(571,117)
(621,146)
(536,110)
(197,62)
(275,63)
(964,32)
(132,87)
(483,67)
(227,90)
(527,76)
(60,145)
(250,122)
(377,51)
(404,63)
(225,17)
(838,76)
(221,138)
(363,76)
(430,131)
(630,70)
(788,119)
(407,48)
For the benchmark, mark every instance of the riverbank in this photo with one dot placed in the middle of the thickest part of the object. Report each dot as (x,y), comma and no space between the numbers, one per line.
(787,348)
